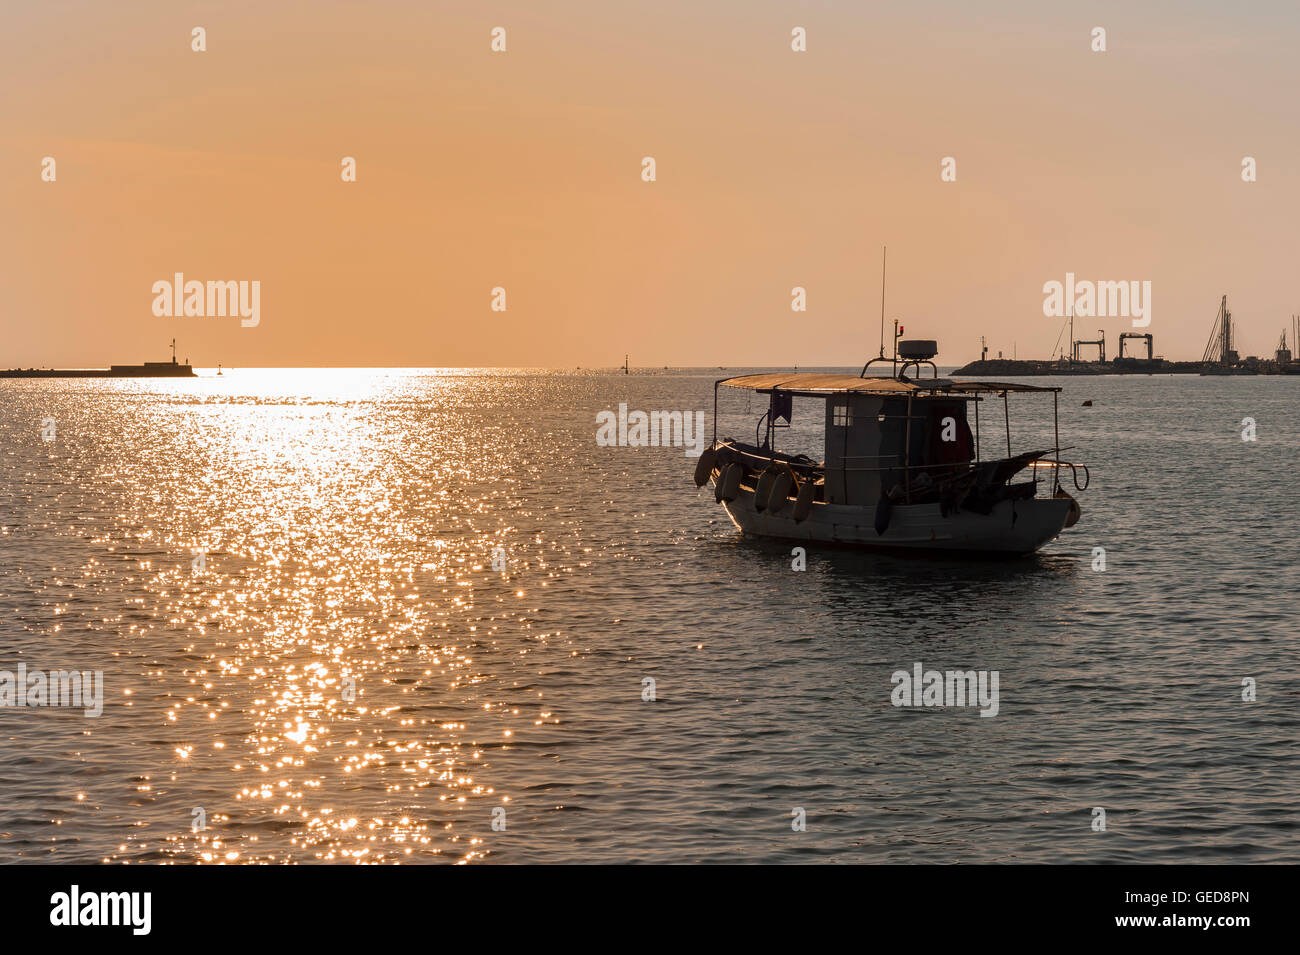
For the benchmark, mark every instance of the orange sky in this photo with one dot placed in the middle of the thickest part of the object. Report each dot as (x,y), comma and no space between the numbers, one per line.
(523,170)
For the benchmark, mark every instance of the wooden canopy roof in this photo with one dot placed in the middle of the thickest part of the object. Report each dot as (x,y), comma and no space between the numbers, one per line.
(832,384)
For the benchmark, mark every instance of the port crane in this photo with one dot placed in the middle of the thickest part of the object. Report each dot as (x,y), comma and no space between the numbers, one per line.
(1127,335)
(1100,343)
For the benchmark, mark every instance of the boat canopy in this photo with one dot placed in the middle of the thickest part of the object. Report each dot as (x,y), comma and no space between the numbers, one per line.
(831,384)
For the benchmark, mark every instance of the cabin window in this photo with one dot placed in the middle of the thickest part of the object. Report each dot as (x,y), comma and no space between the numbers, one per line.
(841,416)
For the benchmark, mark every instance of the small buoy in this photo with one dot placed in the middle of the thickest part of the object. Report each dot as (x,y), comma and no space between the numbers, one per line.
(704,467)
(780,492)
(1088,403)
(729,485)
(804,502)
(764,489)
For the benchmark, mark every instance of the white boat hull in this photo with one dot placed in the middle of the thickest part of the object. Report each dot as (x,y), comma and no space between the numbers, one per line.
(1012,528)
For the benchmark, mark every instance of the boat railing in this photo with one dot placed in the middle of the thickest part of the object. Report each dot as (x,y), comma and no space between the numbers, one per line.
(762,457)
(1056,467)
(897,466)
(759,457)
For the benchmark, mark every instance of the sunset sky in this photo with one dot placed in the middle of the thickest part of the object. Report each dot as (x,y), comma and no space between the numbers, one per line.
(522,170)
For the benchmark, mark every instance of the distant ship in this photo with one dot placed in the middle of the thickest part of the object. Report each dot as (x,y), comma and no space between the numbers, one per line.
(150,369)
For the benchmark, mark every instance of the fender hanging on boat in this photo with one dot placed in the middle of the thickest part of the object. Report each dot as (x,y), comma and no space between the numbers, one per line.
(1075,510)
(781,485)
(804,502)
(764,489)
(882,514)
(704,467)
(729,483)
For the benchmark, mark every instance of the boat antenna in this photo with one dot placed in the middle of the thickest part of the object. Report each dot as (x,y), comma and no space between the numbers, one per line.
(896,333)
(884,249)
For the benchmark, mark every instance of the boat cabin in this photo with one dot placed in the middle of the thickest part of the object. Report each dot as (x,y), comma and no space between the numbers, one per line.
(872,440)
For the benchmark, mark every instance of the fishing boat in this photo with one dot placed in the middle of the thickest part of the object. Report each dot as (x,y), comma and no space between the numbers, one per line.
(903,469)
